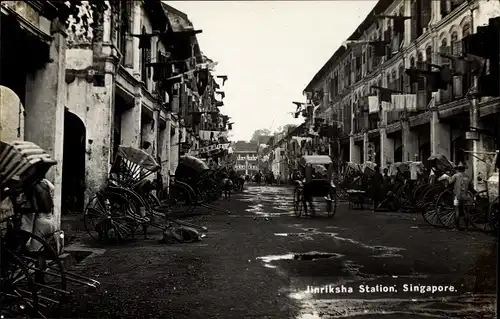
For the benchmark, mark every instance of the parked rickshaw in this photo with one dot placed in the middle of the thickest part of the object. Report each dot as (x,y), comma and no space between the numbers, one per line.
(204,183)
(33,281)
(318,171)
(126,202)
(428,202)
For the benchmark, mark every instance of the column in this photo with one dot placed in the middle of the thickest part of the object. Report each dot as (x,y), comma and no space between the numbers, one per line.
(44,104)
(410,143)
(131,130)
(386,149)
(440,136)
(155,134)
(480,168)
(365,147)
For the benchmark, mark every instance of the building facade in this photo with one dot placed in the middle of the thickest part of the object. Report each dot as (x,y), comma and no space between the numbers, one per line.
(246,162)
(381,115)
(137,79)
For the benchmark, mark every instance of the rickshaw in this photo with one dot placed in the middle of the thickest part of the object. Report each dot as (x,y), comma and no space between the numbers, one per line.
(204,182)
(33,281)
(126,201)
(428,201)
(318,171)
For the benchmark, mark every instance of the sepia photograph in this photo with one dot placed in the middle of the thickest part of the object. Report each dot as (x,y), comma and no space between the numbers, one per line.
(249,159)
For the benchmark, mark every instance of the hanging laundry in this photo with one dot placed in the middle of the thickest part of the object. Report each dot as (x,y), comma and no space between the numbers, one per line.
(410,102)
(386,106)
(398,101)
(373,106)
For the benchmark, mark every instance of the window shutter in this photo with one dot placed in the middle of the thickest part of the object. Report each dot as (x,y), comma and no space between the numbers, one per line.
(457,86)
(421,100)
(129,40)
(414,20)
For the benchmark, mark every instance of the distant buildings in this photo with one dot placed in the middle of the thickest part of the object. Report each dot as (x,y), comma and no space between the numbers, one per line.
(245,158)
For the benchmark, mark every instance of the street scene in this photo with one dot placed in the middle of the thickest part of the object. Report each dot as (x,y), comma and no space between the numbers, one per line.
(238,159)
(258,262)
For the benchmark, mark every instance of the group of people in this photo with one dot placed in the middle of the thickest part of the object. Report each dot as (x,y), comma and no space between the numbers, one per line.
(383,185)
(268,179)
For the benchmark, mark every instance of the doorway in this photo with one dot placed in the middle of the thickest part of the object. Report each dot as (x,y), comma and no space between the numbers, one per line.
(73,177)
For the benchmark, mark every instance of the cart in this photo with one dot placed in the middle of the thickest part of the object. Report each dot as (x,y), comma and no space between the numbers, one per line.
(204,183)
(318,171)
(33,281)
(126,202)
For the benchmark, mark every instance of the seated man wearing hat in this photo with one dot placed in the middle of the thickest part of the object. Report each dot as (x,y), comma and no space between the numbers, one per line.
(461,186)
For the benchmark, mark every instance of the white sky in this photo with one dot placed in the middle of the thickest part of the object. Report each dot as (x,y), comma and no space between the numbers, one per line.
(270,50)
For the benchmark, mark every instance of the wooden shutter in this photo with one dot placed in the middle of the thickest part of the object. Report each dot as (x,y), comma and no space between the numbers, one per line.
(426,12)
(414,19)
(444,95)
(129,40)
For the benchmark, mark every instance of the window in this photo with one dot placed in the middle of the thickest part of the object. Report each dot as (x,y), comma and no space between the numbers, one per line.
(123,27)
(420,57)
(145,59)
(444,42)
(412,62)
(401,77)
(455,44)
(465,30)
(428,54)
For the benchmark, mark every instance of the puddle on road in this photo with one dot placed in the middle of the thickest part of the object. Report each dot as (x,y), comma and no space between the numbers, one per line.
(309,256)
(382,251)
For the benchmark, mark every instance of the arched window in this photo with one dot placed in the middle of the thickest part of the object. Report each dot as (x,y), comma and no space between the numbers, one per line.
(455,44)
(401,77)
(412,62)
(428,54)
(465,30)
(420,57)
(444,42)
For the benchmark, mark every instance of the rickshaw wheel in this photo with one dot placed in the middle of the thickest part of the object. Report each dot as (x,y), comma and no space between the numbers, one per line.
(208,190)
(298,201)
(429,208)
(480,216)
(18,297)
(445,210)
(109,218)
(179,198)
(47,271)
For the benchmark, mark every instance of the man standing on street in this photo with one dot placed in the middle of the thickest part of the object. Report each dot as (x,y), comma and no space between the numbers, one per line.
(461,186)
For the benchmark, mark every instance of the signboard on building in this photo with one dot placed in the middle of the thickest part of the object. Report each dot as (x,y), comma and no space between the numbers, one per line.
(210,148)
(471,135)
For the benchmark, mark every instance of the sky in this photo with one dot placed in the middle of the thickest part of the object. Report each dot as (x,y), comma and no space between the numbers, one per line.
(270,51)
